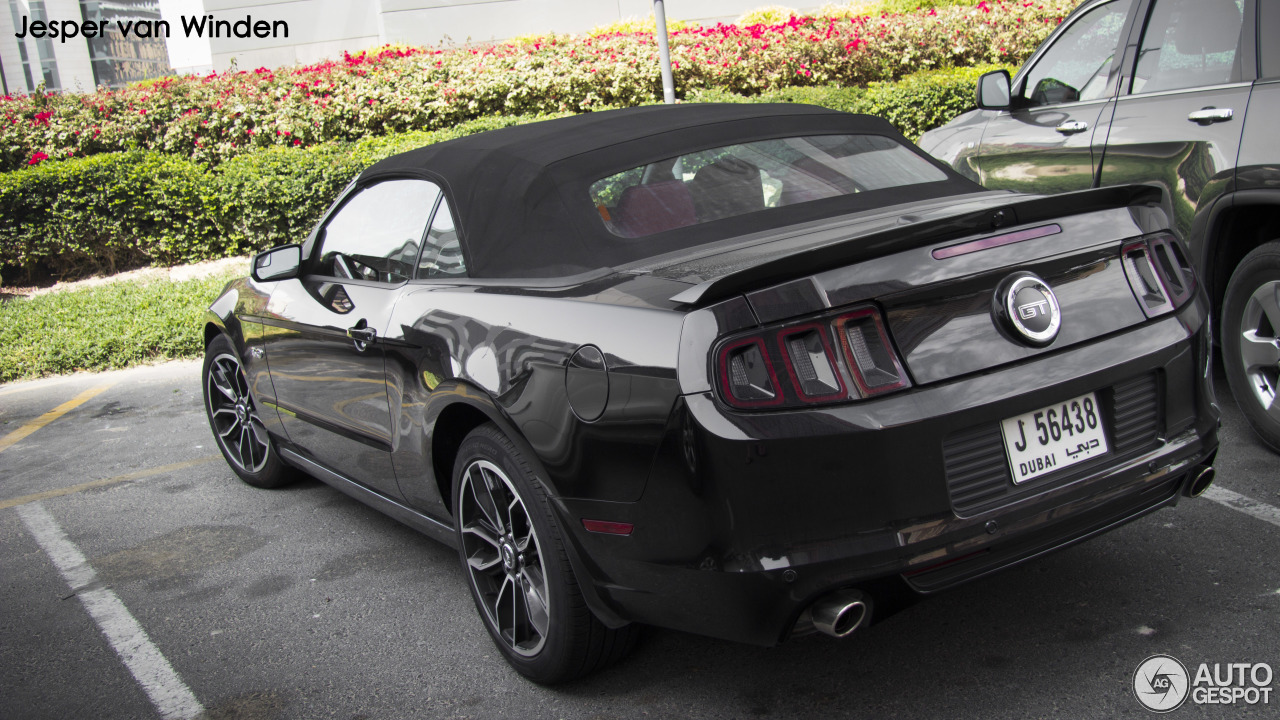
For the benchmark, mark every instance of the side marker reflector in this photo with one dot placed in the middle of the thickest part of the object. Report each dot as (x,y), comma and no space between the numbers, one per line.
(608,528)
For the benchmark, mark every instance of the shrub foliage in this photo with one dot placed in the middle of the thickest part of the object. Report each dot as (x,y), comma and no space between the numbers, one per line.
(121,210)
(117,211)
(245,160)
(914,104)
(106,213)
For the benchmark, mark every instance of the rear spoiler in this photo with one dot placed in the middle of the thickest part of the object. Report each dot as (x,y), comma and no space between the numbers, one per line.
(994,218)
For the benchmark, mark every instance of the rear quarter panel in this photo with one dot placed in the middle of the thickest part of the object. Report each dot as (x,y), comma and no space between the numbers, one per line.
(497,348)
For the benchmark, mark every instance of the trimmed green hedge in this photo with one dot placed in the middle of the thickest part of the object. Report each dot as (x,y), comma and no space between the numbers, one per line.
(111,212)
(117,211)
(105,213)
(914,104)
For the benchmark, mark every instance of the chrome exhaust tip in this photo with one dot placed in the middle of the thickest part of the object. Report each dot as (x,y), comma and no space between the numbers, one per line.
(841,612)
(1200,482)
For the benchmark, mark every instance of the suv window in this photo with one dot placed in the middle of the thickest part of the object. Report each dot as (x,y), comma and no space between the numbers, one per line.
(441,252)
(1076,66)
(1189,43)
(377,232)
(1268,30)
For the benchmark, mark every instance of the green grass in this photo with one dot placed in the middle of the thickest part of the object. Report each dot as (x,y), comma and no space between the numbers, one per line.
(110,326)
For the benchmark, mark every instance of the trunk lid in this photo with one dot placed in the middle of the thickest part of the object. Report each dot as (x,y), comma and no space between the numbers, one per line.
(934,269)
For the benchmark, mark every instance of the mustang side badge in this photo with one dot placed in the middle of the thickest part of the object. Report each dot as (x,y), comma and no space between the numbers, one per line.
(1026,310)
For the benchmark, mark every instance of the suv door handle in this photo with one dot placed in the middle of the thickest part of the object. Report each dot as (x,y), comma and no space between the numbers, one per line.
(1210,115)
(1071,127)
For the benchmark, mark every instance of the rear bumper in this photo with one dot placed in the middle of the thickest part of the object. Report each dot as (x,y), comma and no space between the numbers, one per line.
(747,519)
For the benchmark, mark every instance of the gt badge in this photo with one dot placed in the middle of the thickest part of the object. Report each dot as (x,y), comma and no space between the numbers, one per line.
(1025,308)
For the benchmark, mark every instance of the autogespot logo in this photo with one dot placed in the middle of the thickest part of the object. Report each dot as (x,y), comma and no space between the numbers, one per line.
(1161,683)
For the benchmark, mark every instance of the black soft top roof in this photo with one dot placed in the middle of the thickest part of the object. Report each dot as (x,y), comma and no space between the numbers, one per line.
(521,193)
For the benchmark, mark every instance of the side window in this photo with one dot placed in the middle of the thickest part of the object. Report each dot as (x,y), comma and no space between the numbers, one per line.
(1076,66)
(376,234)
(442,253)
(1268,48)
(1189,43)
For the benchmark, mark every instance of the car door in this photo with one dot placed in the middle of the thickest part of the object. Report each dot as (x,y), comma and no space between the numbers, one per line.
(422,342)
(1048,141)
(1180,114)
(1259,161)
(325,344)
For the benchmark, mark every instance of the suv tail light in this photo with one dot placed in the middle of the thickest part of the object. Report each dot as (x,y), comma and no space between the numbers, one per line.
(833,359)
(1159,274)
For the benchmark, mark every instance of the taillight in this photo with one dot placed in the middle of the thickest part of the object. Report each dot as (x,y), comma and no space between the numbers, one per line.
(1159,274)
(810,363)
(837,358)
(747,376)
(866,348)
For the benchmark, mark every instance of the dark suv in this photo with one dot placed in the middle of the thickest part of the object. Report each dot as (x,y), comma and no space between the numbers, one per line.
(1173,93)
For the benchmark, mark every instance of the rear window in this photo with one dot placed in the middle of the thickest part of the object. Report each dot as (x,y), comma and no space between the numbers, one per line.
(753,177)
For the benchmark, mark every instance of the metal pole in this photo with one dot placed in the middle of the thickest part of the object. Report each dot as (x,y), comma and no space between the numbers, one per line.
(664,53)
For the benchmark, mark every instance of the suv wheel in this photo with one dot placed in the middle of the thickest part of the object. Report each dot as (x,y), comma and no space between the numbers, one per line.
(1251,340)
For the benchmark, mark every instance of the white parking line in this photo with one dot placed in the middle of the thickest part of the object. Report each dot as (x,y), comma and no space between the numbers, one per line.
(1244,504)
(168,693)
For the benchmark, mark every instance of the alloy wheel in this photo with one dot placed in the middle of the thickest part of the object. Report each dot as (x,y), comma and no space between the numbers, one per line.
(504,557)
(234,418)
(1260,345)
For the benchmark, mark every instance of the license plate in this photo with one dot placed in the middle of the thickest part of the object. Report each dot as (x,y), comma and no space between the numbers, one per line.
(1054,437)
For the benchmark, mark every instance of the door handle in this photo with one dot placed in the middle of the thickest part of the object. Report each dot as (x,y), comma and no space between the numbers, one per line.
(1071,127)
(362,335)
(1210,115)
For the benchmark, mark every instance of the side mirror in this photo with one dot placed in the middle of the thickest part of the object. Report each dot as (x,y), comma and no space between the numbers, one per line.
(993,90)
(278,263)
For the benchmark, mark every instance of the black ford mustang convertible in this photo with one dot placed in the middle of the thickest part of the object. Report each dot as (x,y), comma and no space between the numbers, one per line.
(746,371)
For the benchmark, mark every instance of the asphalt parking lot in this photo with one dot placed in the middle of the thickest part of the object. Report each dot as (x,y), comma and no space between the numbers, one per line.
(140,579)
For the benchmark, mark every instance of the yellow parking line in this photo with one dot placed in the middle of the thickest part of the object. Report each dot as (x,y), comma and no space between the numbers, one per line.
(17,435)
(6,504)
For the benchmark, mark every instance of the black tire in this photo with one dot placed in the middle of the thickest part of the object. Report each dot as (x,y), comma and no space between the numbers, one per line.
(234,419)
(1251,340)
(553,636)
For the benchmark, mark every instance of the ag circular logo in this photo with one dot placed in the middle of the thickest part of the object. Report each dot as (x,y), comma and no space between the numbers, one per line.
(1161,683)
(1025,307)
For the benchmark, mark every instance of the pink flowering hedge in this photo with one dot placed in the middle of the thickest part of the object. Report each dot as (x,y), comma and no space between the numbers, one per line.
(211,119)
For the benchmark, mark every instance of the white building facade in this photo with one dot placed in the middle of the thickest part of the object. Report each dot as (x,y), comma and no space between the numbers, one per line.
(77,63)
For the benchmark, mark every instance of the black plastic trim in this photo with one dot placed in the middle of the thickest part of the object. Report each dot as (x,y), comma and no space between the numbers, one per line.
(429,526)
